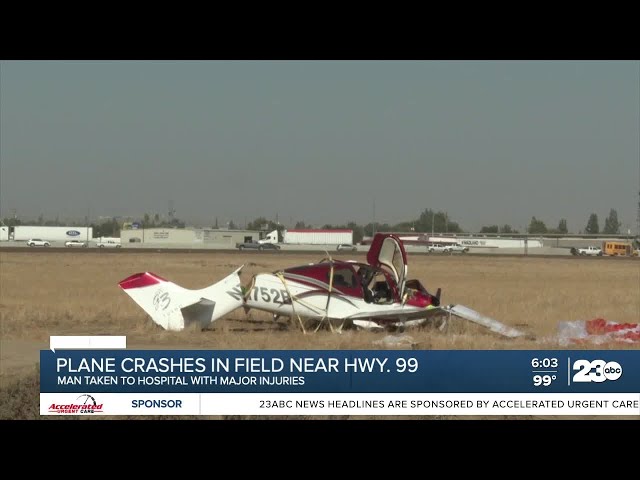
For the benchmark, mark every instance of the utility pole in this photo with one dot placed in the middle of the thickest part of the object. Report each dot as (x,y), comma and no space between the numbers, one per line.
(374,218)
(172,211)
(433,222)
(638,219)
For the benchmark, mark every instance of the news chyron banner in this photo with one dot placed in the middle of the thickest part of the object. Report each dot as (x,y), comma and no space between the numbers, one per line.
(98,381)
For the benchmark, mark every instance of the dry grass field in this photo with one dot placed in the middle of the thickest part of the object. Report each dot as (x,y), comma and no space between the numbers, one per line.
(77,293)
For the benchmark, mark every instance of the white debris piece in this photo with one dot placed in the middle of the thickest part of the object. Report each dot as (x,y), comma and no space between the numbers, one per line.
(395,341)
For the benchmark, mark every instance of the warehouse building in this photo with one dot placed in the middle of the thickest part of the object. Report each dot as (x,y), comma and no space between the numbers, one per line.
(156,236)
(187,237)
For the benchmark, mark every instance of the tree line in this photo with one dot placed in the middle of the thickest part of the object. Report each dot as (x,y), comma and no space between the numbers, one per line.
(439,222)
(611,225)
(428,221)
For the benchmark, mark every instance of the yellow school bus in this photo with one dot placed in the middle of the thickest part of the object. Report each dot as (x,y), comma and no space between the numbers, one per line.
(616,248)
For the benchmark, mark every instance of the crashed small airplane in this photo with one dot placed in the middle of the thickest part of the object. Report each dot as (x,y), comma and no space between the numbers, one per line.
(333,293)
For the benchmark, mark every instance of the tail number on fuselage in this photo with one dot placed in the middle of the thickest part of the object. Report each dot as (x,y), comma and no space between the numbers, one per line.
(266,294)
(272,295)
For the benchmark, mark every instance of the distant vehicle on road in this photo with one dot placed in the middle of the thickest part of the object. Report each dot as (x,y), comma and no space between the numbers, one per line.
(37,242)
(614,248)
(109,243)
(455,248)
(590,250)
(346,247)
(257,246)
(439,249)
(74,243)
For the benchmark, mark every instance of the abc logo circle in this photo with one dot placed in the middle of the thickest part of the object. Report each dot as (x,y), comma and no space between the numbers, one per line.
(612,371)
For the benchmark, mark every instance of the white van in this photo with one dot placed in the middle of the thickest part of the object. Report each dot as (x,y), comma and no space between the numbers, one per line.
(105,242)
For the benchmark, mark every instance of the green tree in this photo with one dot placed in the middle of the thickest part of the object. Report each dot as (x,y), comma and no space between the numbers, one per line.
(507,229)
(259,224)
(11,222)
(300,225)
(490,229)
(108,228)
(537,226)
(406,226)
(358,231)
(562,226)
(611,223)
(437,222)
(370,228)
(174,223)
(592,224)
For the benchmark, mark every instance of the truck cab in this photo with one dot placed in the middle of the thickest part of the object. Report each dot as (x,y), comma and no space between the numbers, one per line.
(438,248)
(271,237)
(590,250)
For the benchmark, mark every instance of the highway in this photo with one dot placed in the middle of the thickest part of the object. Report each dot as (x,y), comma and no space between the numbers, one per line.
(543,252)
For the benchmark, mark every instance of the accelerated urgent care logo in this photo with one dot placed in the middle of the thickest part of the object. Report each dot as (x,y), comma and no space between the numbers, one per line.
(83,404)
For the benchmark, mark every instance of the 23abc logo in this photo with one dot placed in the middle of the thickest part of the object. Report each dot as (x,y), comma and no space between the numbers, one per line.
(596,371)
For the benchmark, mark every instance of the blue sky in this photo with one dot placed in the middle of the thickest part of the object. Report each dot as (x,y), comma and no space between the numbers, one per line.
(321,141)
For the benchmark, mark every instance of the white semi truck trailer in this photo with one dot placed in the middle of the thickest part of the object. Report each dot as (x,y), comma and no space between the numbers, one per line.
(311,237)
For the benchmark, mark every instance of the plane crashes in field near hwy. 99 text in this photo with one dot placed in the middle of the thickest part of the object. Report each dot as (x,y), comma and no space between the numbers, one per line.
(336,294)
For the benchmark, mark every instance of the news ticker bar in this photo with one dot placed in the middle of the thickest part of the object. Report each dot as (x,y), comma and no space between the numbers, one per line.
(386,404)
(339,371)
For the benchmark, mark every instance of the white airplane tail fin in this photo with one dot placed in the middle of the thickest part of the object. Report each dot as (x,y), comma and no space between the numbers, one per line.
(174,307)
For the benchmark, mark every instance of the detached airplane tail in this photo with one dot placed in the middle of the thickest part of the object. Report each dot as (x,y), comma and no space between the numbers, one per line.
(174,307)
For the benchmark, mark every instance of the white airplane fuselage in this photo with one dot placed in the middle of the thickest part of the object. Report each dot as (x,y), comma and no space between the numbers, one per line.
(312,299)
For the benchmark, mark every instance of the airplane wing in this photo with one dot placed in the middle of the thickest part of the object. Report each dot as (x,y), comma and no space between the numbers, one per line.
(488,322)
(367,318)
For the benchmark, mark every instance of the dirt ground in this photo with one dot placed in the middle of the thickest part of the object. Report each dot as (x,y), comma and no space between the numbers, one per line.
(43,294)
